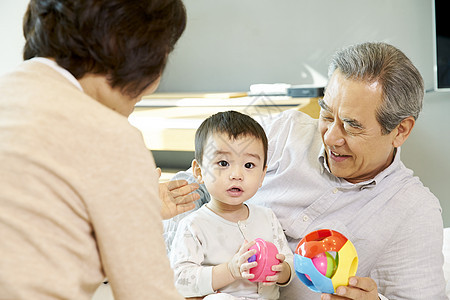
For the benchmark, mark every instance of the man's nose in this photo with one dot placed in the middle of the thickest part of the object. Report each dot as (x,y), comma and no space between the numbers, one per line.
(334,136)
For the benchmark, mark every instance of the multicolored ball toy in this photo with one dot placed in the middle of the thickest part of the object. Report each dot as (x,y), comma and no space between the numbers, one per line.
(265,257)
(325,259)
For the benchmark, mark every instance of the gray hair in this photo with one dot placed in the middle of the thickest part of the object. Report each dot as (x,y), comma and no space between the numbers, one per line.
(402,84)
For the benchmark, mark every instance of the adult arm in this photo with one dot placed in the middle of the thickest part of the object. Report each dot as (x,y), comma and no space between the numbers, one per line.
(411,265)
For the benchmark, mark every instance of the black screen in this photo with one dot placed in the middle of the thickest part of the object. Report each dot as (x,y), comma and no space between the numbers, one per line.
(442,24)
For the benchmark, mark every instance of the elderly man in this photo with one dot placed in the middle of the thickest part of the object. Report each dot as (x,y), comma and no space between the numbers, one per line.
(344,172)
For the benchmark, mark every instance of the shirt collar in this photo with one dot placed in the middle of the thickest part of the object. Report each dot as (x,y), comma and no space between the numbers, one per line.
(52,64)
(365,184)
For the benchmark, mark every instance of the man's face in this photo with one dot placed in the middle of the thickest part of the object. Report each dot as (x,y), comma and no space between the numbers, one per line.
(355,147)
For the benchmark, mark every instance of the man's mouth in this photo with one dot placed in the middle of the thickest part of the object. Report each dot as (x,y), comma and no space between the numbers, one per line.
(338,157)
(336,154)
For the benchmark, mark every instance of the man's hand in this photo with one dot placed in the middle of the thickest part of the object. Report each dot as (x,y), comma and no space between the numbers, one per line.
(177,197)
(359,288)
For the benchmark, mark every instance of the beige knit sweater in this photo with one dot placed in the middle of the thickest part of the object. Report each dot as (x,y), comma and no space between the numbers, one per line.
(78,196)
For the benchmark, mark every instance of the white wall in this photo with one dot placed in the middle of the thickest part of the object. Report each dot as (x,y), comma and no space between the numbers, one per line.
(427,149)
(11,14)
(231,44)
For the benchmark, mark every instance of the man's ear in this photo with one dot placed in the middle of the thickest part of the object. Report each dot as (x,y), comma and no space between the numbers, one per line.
(402,131)
(197,171)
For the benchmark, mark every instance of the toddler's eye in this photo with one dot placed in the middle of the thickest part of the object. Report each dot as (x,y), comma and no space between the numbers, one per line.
(249,165)
(223,163)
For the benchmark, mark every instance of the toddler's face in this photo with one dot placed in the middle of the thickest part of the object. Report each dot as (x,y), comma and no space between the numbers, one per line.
(233,170)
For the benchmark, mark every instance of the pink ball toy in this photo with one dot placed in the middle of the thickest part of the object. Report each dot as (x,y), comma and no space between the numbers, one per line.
(265,257)
(325,264)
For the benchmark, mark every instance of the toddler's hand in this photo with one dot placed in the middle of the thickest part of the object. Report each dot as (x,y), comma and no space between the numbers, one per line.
(281,267)
(239,266)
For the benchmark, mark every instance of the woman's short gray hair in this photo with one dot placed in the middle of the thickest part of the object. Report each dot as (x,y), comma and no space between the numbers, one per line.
(402,84)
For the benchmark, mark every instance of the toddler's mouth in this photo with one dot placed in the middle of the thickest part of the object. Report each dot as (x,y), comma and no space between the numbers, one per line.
(235,191)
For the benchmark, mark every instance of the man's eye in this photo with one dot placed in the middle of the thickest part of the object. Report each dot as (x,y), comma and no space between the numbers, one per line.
(351,128)
(249,165)
(326,118)
(223,163)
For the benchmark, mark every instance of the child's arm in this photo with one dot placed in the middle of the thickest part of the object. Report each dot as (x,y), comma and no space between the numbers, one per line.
(237,268)
(192,279)
(286,267)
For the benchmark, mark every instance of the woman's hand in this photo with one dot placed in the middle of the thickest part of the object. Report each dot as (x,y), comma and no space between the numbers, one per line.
(176,197)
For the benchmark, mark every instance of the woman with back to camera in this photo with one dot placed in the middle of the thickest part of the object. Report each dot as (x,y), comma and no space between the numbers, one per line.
(79,191)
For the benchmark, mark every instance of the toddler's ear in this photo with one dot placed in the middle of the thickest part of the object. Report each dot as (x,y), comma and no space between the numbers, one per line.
(197,171)
(263,175)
